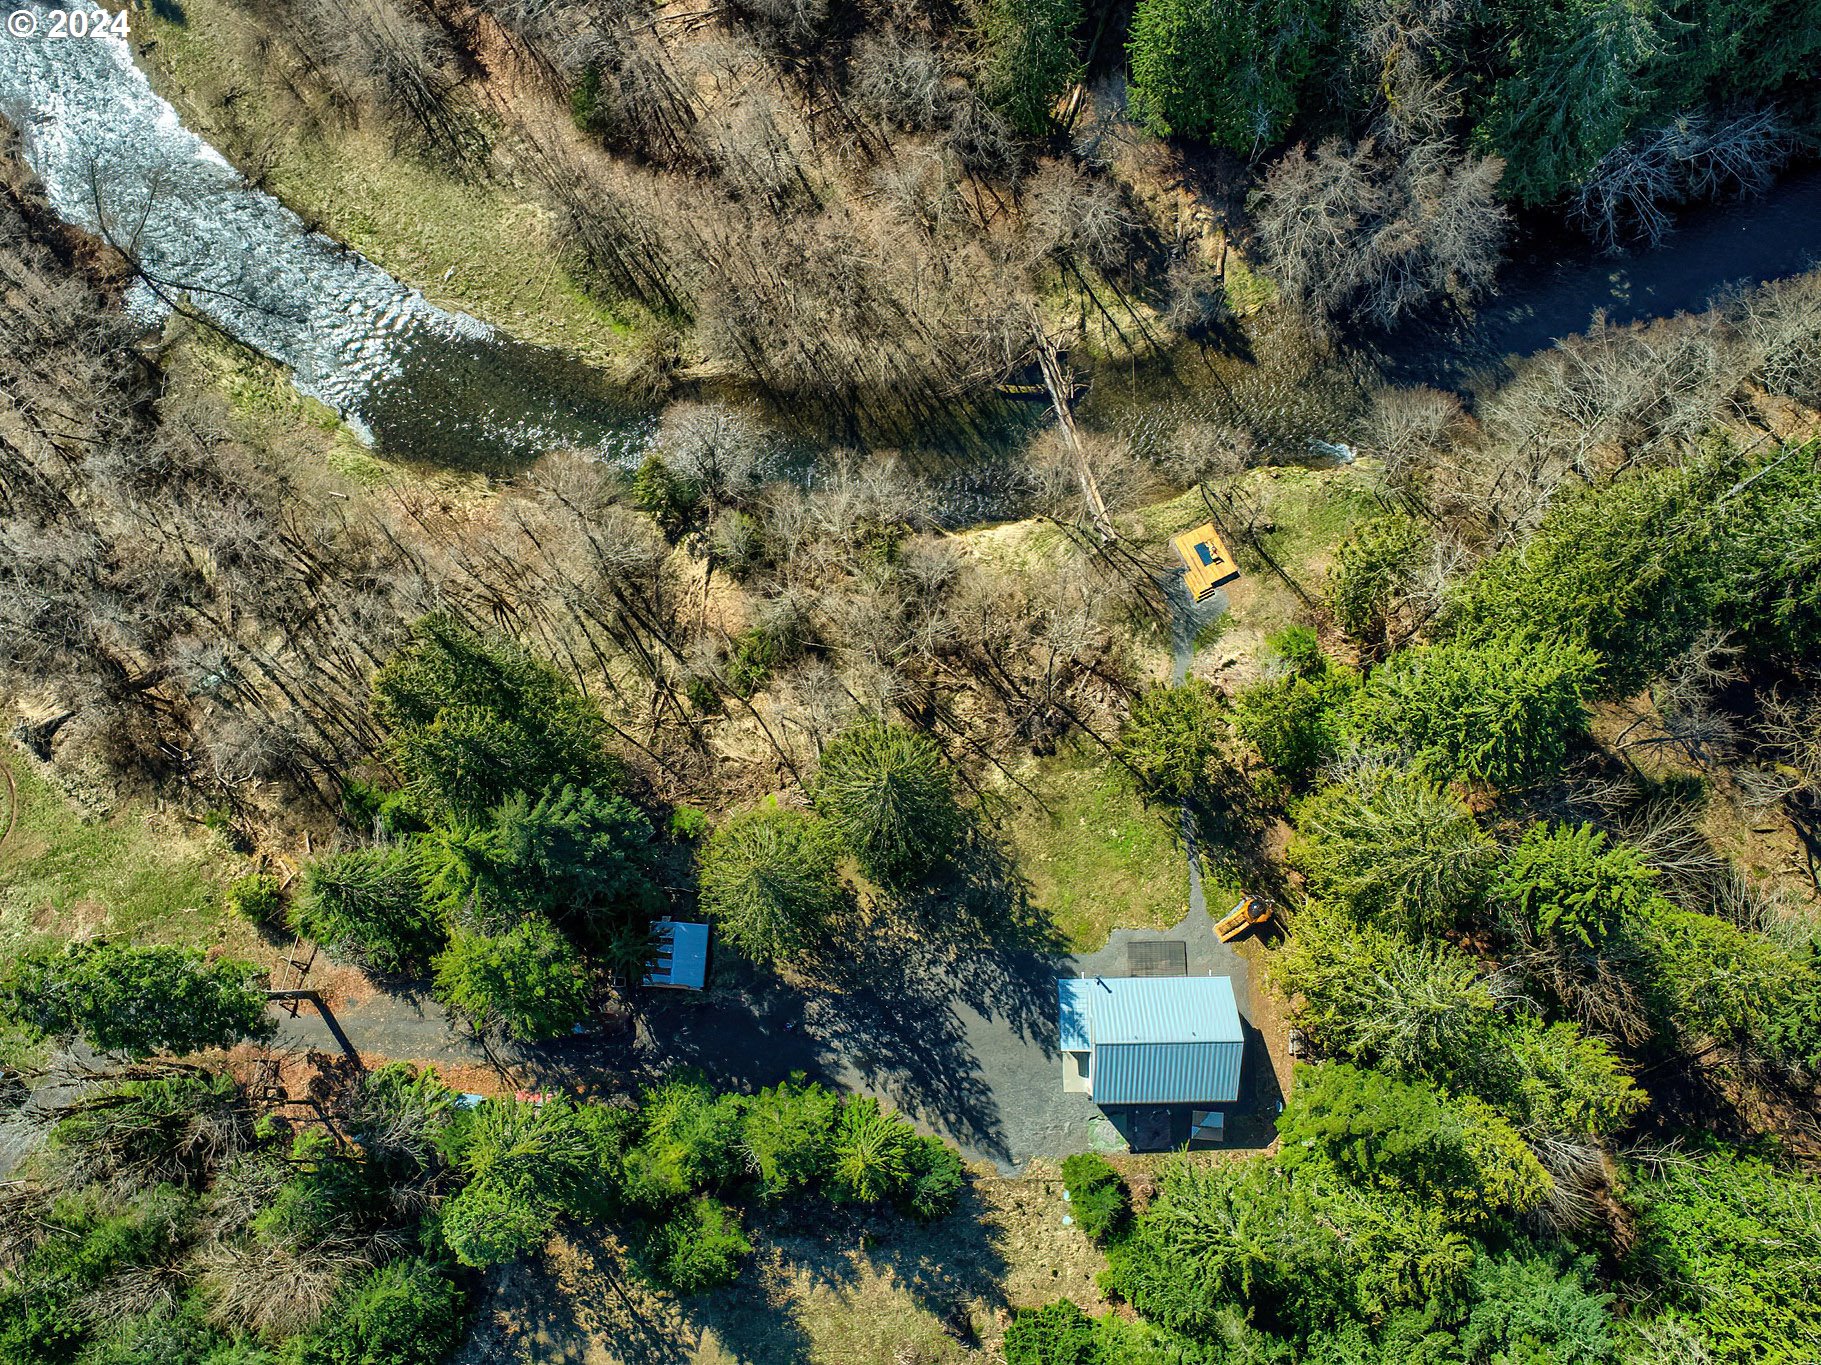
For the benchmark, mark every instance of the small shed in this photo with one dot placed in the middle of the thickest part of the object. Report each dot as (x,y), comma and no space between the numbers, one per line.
(1206,558)
(681,962)
(1156,1040)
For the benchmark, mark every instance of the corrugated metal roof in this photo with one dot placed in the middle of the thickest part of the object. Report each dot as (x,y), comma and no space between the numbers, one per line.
(682,959)
(1155,1040)
(1173,1009)
(1166,1073)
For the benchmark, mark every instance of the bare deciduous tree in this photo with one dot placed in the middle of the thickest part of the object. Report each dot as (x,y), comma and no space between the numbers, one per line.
(1629,194)
(1373,232)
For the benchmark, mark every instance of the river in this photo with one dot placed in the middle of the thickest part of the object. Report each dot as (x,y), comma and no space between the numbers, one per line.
(1556,284)
(427,383)
(421,381)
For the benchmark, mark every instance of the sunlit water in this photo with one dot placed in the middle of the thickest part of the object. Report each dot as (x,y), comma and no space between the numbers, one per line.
(431,384)
(421,381)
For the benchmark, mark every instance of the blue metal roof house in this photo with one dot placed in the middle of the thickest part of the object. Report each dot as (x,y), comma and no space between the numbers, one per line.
(681,962)
(1150,1040)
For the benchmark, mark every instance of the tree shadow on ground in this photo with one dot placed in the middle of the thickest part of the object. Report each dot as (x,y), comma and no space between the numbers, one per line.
(943,1266)
(816,1269)
(888,998)
(1229,830)
(583,1301)
(895,1005)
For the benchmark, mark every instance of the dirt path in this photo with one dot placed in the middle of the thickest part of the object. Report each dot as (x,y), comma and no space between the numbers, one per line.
(12,802)
(1188,619)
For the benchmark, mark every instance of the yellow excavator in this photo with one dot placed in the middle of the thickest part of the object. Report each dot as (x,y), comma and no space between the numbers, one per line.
(1248,914)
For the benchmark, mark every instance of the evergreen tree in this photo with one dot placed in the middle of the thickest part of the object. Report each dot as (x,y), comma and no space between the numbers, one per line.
(1029,56)
(1175,741)
(530,983)
(1380,999)
(370,906)
(476,720)
(1565,882)
(1229,72)
(786,1131)
(1295,718)
(886,794)
(134,1000)
(571,853)
(1502,712)
(1056,1334)
(1372,569)
(768,877)
(1392,846)
(1571,90)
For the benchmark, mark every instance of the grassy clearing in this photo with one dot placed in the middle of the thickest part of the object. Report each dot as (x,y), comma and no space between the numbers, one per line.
(135,875)
(1309,512)
(266,411)
(874,1292)
(1096,857)
(468,245)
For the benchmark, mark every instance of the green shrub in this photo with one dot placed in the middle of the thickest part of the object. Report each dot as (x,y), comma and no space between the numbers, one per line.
(933,1178)
(255,898)
(673,501)
(405,1313)
(489,1222)
(760,652)
(1058,1333)
(179,1335)
(689,1142)
(737,540)
(368,906)
(870,1154)
(699,1247)
(689,824)
(786,1131)
(1097,1196)
(40,1324)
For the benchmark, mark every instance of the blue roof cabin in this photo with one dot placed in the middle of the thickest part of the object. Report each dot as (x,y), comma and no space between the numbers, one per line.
(1130,1040)
(681,958)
